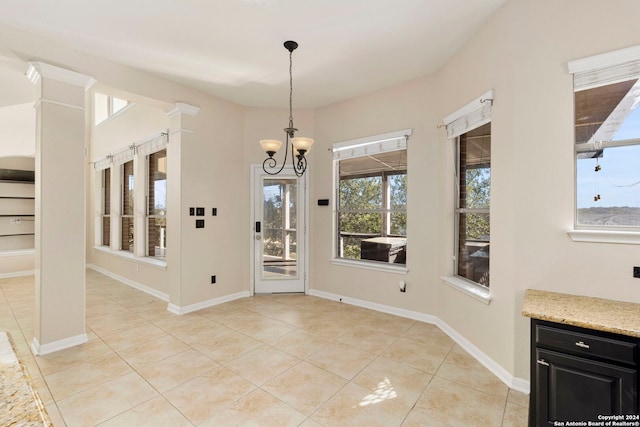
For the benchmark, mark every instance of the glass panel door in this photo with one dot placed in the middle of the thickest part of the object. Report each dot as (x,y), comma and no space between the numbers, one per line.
(278,232)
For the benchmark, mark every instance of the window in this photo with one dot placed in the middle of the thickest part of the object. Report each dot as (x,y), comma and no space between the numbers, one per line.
(607,140)
(371,186)
(105,106)
(473,205)
(279,227)
(470,129)
(157,204)
(126,244)
(143,231)
(106,207)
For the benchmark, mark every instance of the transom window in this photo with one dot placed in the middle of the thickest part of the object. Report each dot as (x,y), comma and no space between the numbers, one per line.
(105,106)
(371,186)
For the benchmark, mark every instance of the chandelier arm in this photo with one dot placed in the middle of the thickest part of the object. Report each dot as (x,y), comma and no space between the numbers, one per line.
(273,163)
(301,166)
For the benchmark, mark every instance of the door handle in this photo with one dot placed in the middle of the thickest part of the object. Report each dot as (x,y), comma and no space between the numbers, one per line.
(257,226)
(542,362)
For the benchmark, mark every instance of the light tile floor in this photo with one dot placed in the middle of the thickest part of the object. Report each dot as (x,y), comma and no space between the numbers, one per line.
(280,360)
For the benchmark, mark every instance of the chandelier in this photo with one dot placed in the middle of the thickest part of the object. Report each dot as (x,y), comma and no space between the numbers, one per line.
(299,145)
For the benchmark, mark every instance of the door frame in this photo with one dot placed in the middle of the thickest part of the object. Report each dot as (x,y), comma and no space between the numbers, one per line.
(256,170)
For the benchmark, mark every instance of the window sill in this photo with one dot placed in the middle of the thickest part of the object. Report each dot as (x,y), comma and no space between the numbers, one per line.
(368,265)
(469,288)
(605,236)
(128,255)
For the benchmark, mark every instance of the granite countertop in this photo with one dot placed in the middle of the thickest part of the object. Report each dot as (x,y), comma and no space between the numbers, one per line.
(598,314)
(20,405)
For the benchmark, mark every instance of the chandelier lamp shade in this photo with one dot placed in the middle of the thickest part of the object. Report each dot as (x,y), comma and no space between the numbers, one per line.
(299,146)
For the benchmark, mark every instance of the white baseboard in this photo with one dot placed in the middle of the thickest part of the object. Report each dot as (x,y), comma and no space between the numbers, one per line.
(139,286)
(42,349)
(165,297)
(515,383)
(17,274)
(206,304)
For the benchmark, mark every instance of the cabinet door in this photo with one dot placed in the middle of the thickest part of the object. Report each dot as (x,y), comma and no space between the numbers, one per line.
(572,388)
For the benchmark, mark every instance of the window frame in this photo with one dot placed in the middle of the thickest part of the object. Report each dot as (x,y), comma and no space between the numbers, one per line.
(137,153)
(131,216)
(588,73)
(148,215)
(355,147)
(106,207)
(471,116)
(458,211)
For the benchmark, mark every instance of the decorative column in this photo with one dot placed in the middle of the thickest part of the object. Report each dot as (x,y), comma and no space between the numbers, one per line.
(60,221)
(181,132)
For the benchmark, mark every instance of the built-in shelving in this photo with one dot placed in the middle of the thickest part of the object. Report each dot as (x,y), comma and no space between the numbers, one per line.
(17,209)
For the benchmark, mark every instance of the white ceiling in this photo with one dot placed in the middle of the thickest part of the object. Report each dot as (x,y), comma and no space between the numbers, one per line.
(233,48)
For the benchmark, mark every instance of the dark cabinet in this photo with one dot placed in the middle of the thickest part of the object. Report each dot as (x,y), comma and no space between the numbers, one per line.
(578,374)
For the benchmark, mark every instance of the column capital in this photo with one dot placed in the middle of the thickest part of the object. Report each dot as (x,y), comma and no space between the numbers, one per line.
(183,108)
(38,70)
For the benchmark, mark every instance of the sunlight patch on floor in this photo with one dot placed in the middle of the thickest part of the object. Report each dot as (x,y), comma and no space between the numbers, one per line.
(383,392)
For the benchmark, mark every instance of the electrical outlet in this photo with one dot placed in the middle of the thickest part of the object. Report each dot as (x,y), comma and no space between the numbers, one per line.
(199,223)
(213,279)
(192,211)
(636,272)
(199,211)
(403,286)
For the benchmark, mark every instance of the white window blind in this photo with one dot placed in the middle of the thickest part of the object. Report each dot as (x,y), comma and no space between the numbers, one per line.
(605,69)
(103,163)
(146,146)
(471,116)
(376,144)
(153,144)
(124,156)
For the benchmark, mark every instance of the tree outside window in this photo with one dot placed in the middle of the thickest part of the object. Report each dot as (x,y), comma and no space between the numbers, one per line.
(473,206)
(372,207)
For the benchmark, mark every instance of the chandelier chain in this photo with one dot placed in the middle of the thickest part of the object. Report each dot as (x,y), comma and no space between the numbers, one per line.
(290,89)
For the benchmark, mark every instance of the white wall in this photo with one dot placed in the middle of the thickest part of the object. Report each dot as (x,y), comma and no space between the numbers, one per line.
(134,124)
(406,106)
(521,53)
(210,155)
(213,175)
(18,130)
